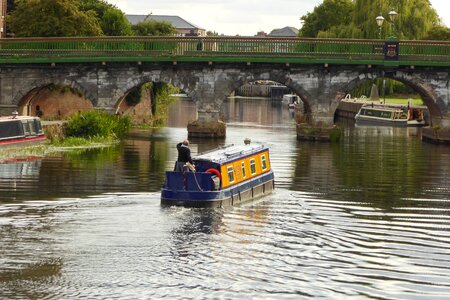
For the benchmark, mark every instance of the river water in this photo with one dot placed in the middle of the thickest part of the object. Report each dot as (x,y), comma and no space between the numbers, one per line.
(367,218)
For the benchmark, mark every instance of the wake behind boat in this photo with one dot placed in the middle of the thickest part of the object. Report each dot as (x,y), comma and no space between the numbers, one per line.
(224,176)
(390,115)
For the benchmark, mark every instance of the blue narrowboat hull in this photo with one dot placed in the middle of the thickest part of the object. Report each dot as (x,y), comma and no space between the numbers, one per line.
(240,193)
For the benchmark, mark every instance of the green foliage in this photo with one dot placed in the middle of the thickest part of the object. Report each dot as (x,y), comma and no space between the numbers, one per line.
(63,89)
(52,18)
(438,33)
(153,28)
(162,92)
(328,14)
(336,134)
(114,23)
(356,19)
(81,142)
(392,87)
(212,33)
(112,20)
(97,124)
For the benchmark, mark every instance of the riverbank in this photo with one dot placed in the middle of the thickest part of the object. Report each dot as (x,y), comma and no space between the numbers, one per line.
(13,155)
(56,141)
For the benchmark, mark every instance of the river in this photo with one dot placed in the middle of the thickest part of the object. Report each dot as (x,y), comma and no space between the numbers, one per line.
(367,218)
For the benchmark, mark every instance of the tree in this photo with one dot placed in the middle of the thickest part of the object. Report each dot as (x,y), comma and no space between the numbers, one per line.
(328,14)
(438,33)
(356,19)
(114,23)
(52,18)
(112,20)
(414,20)
(212,33)
(153,28)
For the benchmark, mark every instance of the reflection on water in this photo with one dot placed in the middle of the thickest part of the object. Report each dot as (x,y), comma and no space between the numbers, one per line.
(366,218)
(242,110)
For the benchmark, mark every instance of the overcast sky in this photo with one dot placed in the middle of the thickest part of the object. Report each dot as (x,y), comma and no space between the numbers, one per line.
(243,17)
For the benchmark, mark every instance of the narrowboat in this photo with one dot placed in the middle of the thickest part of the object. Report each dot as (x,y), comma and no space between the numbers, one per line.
(291,100)
(390,115)
(20,130)
(223,177)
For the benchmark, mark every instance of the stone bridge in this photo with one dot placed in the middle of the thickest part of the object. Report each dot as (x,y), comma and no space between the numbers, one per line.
(320,86)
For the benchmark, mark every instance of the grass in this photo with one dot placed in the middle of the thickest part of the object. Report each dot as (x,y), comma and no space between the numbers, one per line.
(16,154)
(403,101)
(84,142)
(400,101)
(84,130)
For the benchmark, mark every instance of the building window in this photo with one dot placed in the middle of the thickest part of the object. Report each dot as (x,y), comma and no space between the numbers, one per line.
(243,170)
(230,174)
(252,166)
(263,162)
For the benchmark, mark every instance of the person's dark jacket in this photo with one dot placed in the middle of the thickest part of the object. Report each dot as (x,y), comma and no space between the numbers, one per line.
(184,153)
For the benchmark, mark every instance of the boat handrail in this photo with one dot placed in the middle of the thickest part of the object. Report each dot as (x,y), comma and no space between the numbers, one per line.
(215,149)
(244,151)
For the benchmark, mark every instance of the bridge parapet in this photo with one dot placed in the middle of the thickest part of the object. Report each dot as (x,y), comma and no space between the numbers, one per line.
(223,49)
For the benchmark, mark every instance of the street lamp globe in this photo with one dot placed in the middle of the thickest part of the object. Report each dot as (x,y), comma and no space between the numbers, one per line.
(380,21)
(392,15)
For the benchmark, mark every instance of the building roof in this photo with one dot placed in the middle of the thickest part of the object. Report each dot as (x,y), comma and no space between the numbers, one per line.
(285,32)
(176,21)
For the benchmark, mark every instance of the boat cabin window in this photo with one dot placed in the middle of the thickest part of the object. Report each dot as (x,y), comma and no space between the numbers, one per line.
(263,162)
(32,126)
(38,126)
(230,174)
(252,166)
(377,113)
(10,129)
(26,127)
(243,170)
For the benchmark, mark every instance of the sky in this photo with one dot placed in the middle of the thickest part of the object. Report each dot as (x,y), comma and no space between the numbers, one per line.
(240,17)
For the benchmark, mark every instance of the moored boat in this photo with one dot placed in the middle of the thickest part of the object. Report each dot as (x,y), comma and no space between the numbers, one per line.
(224,176)
(20,131)
(291,100)
(390,115)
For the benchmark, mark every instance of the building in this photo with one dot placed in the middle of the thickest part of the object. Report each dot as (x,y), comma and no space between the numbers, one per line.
(184,28)
(284,32)
(2,18)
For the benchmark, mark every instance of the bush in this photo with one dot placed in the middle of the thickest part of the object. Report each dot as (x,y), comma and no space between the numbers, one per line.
(97,124)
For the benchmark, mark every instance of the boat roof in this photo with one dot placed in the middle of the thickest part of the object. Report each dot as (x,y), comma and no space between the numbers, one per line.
(10,118)
(381,107)
(230,152)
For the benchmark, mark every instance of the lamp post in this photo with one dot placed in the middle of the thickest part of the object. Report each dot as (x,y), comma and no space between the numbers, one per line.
(380,21)
(392,16)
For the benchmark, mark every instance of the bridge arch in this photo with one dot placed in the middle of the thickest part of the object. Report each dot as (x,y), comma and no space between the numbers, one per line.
(45,82)
(144,110)
(41,96)
(212,89)
(420,85)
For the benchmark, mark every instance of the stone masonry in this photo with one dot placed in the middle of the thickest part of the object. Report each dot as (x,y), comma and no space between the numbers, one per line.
(320,87)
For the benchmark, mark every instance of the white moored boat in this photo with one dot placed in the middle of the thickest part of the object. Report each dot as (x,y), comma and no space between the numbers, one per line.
(390,115)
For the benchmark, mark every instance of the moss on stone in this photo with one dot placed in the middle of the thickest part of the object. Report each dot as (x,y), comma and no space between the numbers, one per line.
(318,133)
(209,129)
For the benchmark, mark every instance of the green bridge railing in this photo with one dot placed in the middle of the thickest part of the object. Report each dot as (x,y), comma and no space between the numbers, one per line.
(223,49)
